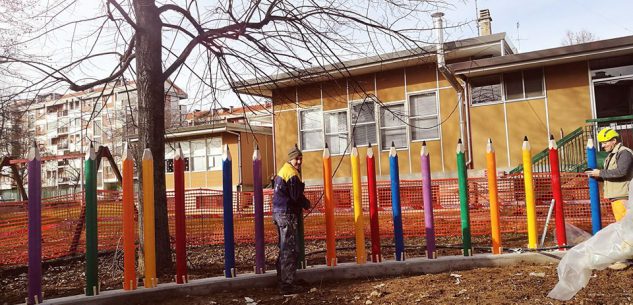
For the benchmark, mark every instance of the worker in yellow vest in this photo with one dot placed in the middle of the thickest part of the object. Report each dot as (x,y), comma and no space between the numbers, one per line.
(617,174)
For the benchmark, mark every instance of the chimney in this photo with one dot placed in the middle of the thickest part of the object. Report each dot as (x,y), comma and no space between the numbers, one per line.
(484,23)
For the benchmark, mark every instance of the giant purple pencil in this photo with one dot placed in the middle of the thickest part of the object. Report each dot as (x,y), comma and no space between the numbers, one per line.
(34,168)
(427,197)
(258,202)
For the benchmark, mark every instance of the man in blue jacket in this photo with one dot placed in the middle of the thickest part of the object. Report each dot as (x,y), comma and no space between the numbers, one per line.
(288,199)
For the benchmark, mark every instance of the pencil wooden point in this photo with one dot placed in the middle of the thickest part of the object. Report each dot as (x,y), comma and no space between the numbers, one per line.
(392,151)
(178,154)
(326,152)
(256,154)
(147,154)
(34,152)
(424,151)
(90,153)
(489,147)
(354,151)
(590,143)
(226,154)
(126,151)
(460,147)
(370,152)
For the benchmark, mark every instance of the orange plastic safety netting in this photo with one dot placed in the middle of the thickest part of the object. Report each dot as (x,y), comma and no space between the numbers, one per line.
(63,219)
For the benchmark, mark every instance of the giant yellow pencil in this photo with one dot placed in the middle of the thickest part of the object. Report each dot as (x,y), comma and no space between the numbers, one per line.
(129,251)
(359,224)
(529,194)
(149,249)
(491,168)
(330,230)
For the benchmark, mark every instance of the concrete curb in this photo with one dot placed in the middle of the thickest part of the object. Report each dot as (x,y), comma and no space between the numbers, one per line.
(313,274)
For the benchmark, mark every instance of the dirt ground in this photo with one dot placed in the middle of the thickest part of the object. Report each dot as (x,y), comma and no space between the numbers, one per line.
(523,284)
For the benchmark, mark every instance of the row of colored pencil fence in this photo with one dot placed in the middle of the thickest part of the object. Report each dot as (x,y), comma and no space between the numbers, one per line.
(203,208)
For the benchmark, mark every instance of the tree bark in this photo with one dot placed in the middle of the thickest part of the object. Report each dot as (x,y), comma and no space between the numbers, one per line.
(151,117)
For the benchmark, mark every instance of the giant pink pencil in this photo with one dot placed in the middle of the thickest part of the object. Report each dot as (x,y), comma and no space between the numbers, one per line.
(427,197)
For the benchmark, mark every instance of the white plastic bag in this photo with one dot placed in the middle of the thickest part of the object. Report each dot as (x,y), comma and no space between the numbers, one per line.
(613,243)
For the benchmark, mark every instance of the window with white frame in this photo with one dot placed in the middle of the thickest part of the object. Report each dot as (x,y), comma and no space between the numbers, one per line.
(310,129)
(423,116)
(393,126)
(336,131)
(198,155)
(214,151)
(363,122)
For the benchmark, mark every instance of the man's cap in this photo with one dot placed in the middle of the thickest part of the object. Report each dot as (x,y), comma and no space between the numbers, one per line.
(294,153)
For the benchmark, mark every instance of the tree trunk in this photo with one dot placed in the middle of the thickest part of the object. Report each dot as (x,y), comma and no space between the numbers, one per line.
(151,117)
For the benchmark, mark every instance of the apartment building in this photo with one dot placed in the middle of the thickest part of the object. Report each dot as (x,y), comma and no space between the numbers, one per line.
(65,125)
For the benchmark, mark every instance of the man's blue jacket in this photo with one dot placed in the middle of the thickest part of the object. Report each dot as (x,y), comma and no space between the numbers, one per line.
(288,197)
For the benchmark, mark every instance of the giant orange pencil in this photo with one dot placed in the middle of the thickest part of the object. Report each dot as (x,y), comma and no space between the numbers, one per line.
(491,168)
(179,202)
(149,249)
(359,224)
(129,253)
(330,230)
(530,204)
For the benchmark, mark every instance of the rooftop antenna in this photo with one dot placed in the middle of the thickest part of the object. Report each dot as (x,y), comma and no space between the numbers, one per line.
(477,18)
(518,38)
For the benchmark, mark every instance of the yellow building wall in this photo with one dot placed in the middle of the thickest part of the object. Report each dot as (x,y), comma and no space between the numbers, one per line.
(487,121)
(309,95)
(390,85)
(568,105)
(421,77)
(286,131)
(334,95)
(526,118)
(265,150)
(568,97)
(450,127)
(361,86)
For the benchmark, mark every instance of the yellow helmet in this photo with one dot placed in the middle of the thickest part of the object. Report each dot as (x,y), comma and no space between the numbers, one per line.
(606,134)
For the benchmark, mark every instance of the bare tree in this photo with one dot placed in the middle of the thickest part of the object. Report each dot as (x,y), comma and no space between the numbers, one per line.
(216,44)
(582,36)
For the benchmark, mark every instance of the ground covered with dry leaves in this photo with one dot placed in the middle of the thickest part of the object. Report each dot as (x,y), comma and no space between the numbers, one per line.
(524,284)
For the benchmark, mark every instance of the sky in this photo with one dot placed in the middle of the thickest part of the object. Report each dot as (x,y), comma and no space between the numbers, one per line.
(542,24)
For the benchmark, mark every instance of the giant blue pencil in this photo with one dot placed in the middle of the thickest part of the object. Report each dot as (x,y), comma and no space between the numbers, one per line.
(34,167)
(227,199)
(427,197)
(395,203)
(258,202)
(594,193)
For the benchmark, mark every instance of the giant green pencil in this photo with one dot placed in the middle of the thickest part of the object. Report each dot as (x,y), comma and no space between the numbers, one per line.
(90,192)
(463,199)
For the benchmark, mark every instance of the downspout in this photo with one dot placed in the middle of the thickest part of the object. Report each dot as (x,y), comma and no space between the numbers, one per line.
(239,158)
(450,77)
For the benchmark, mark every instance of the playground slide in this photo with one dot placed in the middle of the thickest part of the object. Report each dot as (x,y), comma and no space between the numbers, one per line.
(612,244)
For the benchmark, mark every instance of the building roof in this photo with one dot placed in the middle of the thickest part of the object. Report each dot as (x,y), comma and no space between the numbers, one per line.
(217,128)
(494,45)
(579,52)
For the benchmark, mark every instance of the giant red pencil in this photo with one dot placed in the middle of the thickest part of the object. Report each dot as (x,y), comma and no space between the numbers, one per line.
(376,255)
(561,237)
(181,234)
